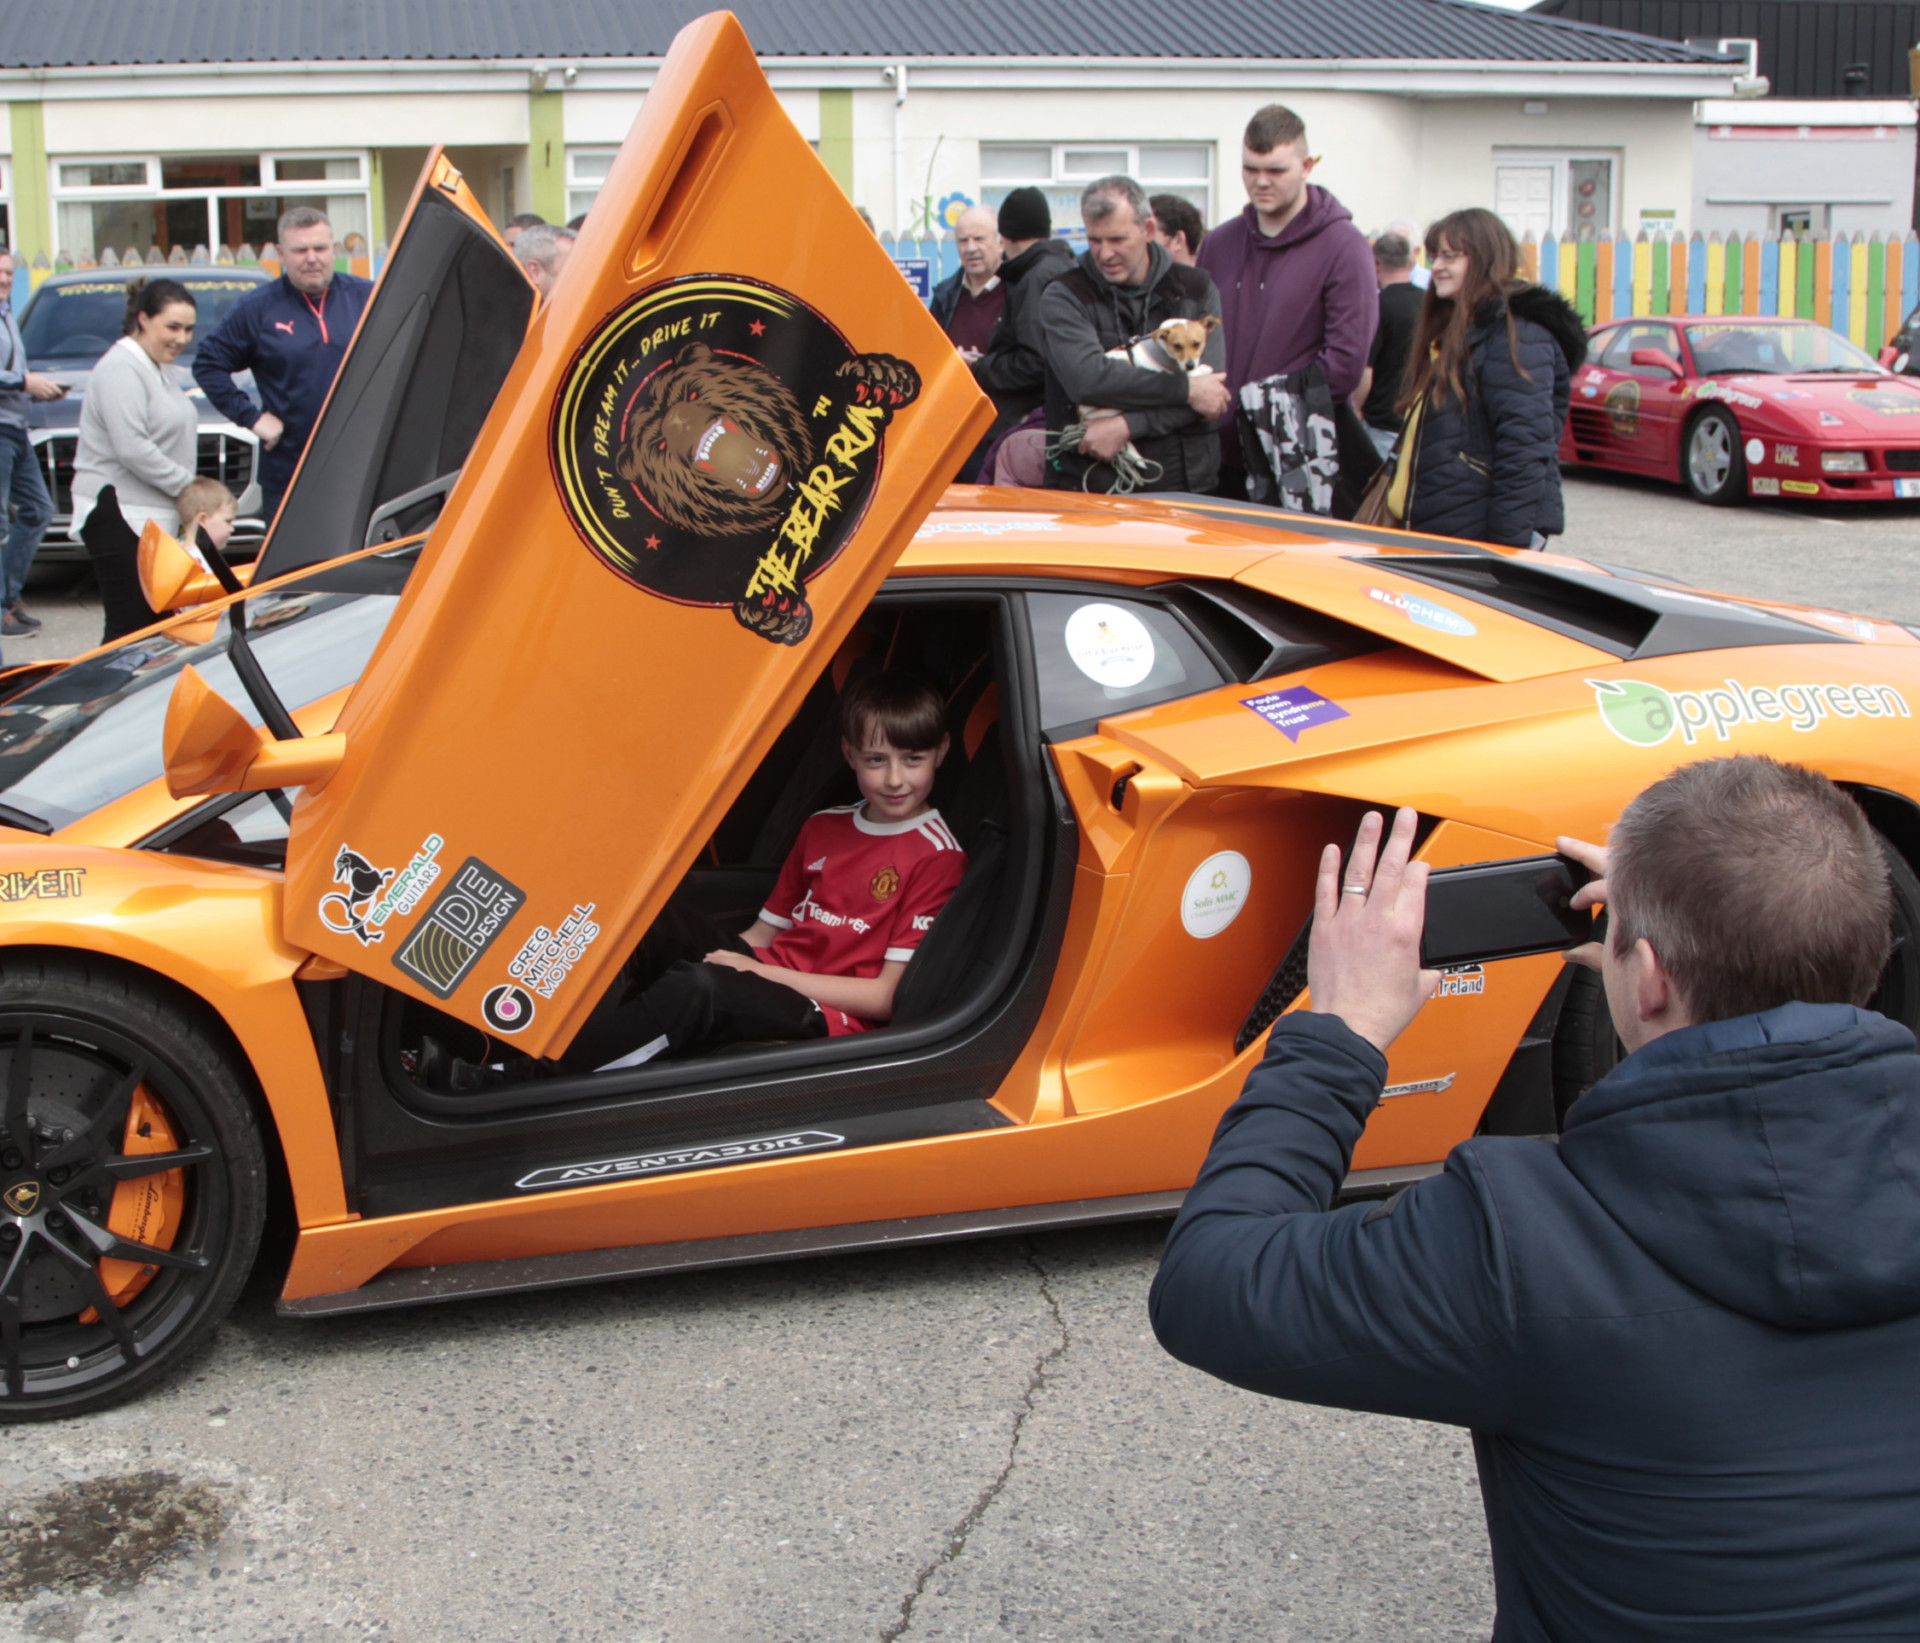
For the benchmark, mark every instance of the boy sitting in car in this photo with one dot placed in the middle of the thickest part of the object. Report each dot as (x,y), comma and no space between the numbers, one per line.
(859,891)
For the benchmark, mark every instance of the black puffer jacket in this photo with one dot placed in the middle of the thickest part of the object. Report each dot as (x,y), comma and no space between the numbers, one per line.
(1487,470)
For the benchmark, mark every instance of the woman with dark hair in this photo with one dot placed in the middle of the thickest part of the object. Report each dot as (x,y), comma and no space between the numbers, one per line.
(138,430)
(1487,382)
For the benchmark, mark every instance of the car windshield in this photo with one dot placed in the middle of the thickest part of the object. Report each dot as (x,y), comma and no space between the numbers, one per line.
(82,320)
(1750,347)
(90,734)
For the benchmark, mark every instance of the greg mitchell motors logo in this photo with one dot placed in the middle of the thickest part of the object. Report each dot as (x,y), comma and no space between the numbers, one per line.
(1646,715)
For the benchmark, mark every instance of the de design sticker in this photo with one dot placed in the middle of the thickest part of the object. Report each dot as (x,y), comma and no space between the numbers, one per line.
(716,442)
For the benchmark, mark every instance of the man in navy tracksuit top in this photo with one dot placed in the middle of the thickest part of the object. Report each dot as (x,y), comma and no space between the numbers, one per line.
(292,334)
(1686,1338)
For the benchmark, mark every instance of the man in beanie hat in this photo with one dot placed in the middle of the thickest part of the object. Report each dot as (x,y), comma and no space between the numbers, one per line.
(1013,369)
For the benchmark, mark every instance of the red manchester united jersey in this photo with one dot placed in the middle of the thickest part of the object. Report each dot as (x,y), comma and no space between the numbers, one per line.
(855,893)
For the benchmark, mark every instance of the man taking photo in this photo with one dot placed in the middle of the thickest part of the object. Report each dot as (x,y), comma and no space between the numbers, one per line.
(292,334)
(1684,1338)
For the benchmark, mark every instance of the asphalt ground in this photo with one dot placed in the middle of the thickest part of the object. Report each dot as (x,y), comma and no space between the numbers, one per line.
(970,1443)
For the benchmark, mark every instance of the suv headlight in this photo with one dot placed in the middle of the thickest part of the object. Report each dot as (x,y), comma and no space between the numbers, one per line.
(1843,462)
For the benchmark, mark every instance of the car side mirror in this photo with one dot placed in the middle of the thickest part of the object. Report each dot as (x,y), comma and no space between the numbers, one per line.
(1659,358)
(170,577)
(208,747)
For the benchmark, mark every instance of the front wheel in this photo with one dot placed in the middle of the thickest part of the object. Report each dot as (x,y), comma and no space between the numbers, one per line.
(1711,460)
(132,1187)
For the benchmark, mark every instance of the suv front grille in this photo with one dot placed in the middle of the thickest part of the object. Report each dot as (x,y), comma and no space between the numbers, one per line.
(221,456)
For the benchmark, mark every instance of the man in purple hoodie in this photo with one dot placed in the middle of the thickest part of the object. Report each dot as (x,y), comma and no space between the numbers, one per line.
(1295,276)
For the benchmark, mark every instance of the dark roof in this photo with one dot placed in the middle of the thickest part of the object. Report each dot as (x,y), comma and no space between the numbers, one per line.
(76,33)
(1807,47)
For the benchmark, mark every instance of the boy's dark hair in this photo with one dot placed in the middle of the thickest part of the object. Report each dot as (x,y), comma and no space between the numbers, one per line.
(1273,125)
(1178,215)
(905,710)
(1757,883)
(525,219)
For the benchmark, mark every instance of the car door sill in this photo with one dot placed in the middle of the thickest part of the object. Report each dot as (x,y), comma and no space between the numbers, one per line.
(417,1286)
(422,1286)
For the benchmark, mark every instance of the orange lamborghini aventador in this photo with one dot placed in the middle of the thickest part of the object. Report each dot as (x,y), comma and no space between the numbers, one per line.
(552,627)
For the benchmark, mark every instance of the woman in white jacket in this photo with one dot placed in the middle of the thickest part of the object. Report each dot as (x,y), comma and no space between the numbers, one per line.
(138,429)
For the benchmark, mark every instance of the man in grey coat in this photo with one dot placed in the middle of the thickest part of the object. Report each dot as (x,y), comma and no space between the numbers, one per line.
(1121,290)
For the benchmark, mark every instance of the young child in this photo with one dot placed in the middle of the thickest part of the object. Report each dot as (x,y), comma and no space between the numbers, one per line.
(206,505)
(858,893)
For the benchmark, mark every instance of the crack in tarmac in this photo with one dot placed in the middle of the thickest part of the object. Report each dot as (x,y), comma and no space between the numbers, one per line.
(957,1536)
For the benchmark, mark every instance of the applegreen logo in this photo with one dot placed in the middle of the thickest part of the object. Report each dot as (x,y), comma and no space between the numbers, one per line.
(1638,713)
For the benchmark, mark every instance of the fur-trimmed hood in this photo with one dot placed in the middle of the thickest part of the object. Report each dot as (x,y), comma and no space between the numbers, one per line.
(1546,308)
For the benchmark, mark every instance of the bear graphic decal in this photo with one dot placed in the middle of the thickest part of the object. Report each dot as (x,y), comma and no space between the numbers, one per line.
(716,442)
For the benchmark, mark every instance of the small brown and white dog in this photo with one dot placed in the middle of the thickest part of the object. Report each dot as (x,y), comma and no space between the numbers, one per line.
(1174,346)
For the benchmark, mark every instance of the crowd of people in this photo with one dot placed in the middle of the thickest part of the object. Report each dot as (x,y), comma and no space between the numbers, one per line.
(1280,358)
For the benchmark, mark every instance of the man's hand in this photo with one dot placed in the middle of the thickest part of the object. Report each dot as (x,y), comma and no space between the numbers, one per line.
(1593,893)
(1105,438)
(269,427)
(42,387)
(970,354)
(1208,395)
(1363,958)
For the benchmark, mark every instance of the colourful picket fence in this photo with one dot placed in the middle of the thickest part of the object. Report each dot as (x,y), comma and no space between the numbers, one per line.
(1863,286)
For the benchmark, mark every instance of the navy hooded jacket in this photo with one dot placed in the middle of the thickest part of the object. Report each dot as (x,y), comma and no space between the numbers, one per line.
(1686,1338)
(293,349)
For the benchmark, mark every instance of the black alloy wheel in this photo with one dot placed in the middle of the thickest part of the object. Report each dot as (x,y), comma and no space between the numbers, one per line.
(1711,461)
(132,1187)
(1586,1048)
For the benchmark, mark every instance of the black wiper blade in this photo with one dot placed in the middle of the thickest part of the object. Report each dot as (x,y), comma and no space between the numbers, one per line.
(26,820)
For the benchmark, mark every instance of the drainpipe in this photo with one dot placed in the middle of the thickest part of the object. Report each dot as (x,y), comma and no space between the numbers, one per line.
(896,76)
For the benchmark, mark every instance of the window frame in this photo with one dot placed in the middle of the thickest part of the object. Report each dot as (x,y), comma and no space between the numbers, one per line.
(154,193)
(1062,179)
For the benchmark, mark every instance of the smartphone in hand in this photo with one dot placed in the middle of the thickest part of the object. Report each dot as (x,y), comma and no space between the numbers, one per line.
(1503,909)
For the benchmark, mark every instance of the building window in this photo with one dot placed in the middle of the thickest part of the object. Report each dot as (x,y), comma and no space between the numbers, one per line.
(587,170)
(1062,170)
(1558,192)
(179,208)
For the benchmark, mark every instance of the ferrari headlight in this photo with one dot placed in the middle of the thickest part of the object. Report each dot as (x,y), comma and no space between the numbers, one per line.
(1843,462)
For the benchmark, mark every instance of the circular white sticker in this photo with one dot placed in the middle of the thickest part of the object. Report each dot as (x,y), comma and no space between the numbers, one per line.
(1215,894)
(1755,450)
(1109,645)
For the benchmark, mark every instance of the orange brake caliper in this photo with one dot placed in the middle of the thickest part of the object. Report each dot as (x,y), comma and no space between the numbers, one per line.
(143,1211)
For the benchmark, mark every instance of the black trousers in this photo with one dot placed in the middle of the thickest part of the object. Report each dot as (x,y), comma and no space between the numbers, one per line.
(665,990)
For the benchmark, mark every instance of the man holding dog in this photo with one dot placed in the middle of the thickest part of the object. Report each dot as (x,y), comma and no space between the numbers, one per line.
(1684,1337)
(1122,289)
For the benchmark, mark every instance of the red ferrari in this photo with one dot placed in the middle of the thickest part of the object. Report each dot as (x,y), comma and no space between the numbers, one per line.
(1739,406)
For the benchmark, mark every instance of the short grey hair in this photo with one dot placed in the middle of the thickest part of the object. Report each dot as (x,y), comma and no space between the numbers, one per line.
(302,216)
(538,243)
(1098,200)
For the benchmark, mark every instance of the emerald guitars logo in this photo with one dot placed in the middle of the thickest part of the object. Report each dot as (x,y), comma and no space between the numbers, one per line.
(1646,715)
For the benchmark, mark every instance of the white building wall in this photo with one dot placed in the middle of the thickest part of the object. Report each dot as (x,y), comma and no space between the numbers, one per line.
(309,120)
(1853,162)
(603,118)
(1652,138)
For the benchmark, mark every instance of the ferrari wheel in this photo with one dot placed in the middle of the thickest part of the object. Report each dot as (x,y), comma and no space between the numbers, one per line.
(1712,463)
(132,1188)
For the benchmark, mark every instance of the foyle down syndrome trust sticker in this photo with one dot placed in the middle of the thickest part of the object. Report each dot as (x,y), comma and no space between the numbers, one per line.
(716,442)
